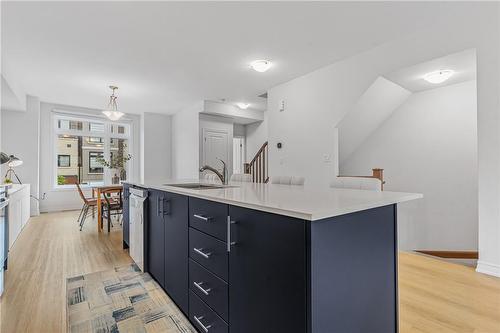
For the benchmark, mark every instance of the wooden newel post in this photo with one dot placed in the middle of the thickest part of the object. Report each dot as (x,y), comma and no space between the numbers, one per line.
(246,167)
(379,173)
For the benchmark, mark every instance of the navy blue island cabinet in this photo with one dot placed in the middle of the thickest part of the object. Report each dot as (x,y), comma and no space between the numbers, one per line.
(166,244)
(270,273)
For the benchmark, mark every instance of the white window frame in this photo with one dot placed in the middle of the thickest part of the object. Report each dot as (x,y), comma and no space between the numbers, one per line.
(106,135)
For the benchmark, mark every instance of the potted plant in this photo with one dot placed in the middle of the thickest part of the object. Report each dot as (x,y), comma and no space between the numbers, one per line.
(118,162)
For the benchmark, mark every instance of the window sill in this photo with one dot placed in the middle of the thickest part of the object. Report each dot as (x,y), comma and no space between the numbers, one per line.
(63,188)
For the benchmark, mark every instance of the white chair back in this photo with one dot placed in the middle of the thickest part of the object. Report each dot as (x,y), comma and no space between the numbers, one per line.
(358,183)
(288,180)
(241,177)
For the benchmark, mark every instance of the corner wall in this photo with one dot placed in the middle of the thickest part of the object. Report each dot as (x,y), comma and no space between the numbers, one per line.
(156,148)
(21,137)
(185,143)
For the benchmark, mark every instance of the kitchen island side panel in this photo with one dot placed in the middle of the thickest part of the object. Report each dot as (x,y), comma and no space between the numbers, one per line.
(353,273)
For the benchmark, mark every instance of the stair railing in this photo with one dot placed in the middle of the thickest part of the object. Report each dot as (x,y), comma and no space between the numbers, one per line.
(259,165)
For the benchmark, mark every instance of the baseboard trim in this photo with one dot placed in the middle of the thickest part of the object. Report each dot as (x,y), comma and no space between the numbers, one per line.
(60,208)
(487,268)
(451,254)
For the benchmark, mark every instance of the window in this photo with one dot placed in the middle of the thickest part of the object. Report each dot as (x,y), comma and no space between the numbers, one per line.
(119,129)
(70,124)
(90,151)
(95,140)
(95,165)
(96,127)
(63,161)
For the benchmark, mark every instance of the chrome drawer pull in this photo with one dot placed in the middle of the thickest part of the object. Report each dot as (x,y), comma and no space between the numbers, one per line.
(229,243)
(201,253)
(198,320)
(198,285)
(201,217)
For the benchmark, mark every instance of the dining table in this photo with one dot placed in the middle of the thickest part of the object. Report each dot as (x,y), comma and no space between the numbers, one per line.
(97,190)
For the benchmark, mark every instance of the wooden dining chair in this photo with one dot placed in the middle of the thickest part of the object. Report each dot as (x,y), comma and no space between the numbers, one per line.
(88,203)
(112,204)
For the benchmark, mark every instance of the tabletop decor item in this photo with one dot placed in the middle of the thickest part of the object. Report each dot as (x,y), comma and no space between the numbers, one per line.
(12,162)
(118,161)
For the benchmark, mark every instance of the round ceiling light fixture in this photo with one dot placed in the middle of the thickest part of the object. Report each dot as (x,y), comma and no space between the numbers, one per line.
(439,76)
(111,110)
(260,65)
(243,106)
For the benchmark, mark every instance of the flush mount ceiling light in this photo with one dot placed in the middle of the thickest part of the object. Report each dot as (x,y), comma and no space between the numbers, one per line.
(438,76)
(243,106)
(260,65)
(111,110)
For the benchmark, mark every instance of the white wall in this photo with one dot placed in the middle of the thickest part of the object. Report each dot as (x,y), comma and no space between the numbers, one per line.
(20,133)
(317,101)
(314,104)
(429,145)
(239,130)
(185,143)
(65,199)
(156,147)
(9,100)
(255,136)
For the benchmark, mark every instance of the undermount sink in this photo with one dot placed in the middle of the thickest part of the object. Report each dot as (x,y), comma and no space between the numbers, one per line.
(197,186)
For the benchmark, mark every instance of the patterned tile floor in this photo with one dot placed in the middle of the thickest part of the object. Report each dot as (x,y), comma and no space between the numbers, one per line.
(123,300)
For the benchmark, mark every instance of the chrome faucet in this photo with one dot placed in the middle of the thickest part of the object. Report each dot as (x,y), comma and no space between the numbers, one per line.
(223,176)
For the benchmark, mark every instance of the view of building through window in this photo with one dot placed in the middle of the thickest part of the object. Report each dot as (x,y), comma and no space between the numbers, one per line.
(86,149)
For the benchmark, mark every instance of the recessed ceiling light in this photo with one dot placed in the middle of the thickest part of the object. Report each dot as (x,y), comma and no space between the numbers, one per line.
(438,76)
(260,65)
(243,106)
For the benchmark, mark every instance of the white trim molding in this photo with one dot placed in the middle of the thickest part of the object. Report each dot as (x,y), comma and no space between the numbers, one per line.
(487,268)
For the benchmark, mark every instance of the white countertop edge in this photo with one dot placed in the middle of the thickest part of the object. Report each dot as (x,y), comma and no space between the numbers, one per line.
(352,209)
(320,215)
(199,194)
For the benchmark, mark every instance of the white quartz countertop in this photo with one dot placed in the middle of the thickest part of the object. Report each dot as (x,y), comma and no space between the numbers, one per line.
(303,202)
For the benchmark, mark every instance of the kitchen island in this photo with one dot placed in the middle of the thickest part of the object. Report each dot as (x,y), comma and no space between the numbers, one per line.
(274,258)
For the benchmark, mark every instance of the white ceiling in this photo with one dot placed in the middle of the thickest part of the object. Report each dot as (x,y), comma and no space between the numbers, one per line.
(168,55)
(411,78)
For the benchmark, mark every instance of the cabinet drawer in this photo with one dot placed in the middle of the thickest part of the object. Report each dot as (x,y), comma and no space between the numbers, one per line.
(209,217)
(204,318)
(209,288)
(209,252)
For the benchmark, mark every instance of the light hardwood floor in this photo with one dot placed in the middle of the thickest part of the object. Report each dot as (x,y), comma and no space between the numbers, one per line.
(50,249)
(435,296)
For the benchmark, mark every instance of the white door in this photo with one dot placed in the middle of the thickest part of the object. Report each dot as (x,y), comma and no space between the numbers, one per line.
(215,146)
(238,154)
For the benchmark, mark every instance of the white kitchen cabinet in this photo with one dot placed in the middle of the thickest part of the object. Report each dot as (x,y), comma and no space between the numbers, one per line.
(19,210)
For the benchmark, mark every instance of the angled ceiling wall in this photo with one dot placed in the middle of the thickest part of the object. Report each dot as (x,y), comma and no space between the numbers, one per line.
(375,106)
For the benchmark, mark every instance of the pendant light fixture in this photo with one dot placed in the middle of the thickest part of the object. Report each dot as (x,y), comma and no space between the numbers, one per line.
(112,109)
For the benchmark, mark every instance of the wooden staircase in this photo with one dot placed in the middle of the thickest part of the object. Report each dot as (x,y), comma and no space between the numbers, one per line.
(259,165)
